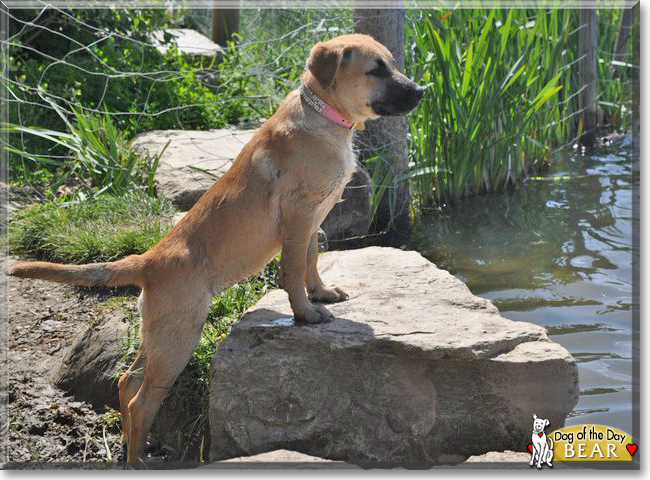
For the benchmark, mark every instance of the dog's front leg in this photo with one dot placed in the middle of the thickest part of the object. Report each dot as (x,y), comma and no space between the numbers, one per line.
(318,291)
(296,238)
(540,456)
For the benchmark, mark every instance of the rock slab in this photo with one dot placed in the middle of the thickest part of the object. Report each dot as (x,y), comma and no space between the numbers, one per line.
(90,367)
(414,368)
(190,42)
(195,159)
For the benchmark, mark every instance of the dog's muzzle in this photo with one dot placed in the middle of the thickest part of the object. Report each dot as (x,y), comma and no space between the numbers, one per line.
(401,97)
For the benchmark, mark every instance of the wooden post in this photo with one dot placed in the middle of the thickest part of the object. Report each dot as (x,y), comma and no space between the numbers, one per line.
(623,34)
(622,37)
(387,136)
(588,74)
(225,22)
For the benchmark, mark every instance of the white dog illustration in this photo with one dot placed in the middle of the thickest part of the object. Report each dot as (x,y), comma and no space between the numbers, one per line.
(541,449)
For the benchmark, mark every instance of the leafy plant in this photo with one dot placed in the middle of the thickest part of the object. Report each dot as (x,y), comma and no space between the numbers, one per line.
(502,94)
(101,157)
(104,61)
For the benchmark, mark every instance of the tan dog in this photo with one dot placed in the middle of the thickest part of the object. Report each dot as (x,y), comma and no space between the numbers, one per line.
(273,198)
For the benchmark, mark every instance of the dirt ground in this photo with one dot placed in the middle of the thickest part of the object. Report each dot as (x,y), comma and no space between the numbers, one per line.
(42,423)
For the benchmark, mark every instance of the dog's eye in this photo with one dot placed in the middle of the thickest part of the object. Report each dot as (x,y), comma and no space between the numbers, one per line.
(379,71)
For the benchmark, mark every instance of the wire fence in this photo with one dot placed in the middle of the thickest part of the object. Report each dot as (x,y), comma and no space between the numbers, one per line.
(111,63)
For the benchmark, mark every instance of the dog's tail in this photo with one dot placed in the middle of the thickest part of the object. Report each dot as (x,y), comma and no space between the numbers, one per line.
(128,271)
(551,445)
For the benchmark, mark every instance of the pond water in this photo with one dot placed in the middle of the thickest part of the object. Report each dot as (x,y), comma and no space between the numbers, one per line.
(558,253)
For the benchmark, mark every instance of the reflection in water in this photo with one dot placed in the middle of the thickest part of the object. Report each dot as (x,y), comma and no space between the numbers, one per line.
(556,252)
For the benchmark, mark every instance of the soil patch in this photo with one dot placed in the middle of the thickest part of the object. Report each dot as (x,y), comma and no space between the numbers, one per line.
(45,424)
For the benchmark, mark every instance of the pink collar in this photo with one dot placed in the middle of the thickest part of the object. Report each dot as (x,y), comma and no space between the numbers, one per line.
(326,110)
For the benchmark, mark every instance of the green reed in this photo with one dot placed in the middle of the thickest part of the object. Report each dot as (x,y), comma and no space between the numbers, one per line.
(501,94)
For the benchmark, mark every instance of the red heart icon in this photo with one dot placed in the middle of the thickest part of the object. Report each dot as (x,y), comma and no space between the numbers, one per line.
(540,434)
(530,447)
(631,447)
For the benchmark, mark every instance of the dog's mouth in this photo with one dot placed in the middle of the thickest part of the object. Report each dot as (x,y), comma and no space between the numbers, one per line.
(400,106)
(386,110)
(381,110)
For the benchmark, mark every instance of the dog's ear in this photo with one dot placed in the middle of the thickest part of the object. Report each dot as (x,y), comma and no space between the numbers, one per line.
(547,423)
(534,417)
(323,63)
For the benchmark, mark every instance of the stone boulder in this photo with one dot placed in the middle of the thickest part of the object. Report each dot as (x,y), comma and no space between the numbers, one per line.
(90,367)
(349,220)
(194,160)
(190,42)
(414,370)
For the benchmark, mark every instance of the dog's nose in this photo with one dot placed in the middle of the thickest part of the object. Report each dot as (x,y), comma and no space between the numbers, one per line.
(419,92)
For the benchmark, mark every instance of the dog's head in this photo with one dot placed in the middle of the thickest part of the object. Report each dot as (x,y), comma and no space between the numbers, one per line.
(539,424)
(357,76)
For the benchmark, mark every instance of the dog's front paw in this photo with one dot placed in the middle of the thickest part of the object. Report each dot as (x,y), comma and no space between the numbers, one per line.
(315,314)
(328,295)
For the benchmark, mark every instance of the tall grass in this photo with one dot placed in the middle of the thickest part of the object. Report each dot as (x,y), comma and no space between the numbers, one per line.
(501,93)
(101,229)
(488,76)
(99,157)
(614,88)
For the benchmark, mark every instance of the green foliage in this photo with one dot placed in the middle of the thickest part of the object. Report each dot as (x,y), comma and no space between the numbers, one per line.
(614,88)
(500,95)
(101,157)
(51,56)
(270,54)
(99,62)
(485,90)
(501,85)
(95,230)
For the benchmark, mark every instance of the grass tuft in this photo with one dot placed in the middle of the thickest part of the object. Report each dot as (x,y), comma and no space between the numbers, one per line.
(96,230)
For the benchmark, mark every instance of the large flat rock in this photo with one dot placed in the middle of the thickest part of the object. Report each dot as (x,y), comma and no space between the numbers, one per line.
(278,459)
(195,159)
(413,369)
(190,42)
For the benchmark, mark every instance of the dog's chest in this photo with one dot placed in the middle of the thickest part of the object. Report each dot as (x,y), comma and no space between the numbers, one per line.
(333,185)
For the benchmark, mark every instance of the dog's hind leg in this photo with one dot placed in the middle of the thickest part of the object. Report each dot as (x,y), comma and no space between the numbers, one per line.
(131,381)
(170,331)
(128,385)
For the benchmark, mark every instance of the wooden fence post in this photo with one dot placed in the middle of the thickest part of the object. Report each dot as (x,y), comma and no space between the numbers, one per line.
(225,22)
(588,74)
(387,136)
(623,35)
